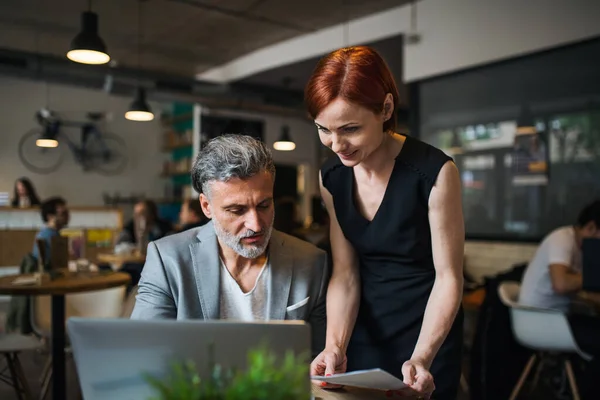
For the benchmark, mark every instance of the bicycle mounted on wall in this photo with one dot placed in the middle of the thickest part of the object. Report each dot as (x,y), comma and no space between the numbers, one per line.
(41,149)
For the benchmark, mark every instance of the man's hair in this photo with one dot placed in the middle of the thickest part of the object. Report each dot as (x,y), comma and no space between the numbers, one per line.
(195,207)
(591,212)
(230,156)
(49,207)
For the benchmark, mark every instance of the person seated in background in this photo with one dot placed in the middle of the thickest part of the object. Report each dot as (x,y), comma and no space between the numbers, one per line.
(55,215)
(191,215)
(25,195)
(553,278)
(145,221)
(145,226)
(236,266)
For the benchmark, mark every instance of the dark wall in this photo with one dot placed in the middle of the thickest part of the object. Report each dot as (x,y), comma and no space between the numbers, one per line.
(562,89)
(213,126)
(550,81)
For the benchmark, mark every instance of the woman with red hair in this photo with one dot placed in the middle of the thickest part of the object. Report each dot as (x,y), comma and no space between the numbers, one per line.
(396,229)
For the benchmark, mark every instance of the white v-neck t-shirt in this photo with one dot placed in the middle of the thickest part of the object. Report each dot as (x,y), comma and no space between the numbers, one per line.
(237,305)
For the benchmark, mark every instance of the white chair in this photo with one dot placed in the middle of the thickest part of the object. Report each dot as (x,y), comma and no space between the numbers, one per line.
(10,347)
(106,303)
(543,330)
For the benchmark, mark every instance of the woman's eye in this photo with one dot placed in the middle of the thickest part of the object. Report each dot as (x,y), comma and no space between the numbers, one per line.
(350,129)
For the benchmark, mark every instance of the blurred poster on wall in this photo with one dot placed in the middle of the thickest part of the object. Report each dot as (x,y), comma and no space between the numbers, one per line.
(530,159)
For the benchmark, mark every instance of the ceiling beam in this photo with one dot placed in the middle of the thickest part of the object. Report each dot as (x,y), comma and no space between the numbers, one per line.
(159,85)
(244,15)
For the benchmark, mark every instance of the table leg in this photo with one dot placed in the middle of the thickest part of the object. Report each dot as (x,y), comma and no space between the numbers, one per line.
(59,378)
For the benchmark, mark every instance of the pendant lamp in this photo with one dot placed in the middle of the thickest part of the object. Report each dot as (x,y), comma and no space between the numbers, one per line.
(285,142)
(87,47)
(139,110)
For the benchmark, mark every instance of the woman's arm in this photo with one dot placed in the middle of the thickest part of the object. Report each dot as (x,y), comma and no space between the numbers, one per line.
(343,296)
(447,239)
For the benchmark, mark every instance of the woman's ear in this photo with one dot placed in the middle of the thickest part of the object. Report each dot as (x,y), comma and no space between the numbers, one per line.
(388,107)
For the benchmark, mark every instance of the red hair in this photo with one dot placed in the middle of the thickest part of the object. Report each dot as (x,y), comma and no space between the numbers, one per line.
(357,74)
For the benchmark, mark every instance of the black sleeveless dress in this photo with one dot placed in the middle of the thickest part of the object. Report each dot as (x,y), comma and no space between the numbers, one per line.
(396,266)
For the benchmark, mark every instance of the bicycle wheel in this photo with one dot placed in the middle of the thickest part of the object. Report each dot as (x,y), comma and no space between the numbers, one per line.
(107,154)
(42,160)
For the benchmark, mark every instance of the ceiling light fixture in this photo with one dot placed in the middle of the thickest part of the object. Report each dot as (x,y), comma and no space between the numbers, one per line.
(87,47)
(525,122)
(285,142)
(47,140)
(48,143)
(139,110)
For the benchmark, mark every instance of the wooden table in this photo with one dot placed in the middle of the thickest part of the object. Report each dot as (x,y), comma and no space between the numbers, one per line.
(348,394)
(112,258)
(57,288)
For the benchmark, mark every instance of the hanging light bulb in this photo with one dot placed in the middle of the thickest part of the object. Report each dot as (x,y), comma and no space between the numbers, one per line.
(285,142)
(525,122)
(48,143)
(139,110)
(87,47)
(47,140)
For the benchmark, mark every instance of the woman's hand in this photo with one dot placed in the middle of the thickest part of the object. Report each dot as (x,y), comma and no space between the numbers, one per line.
(328,362)
(419,380)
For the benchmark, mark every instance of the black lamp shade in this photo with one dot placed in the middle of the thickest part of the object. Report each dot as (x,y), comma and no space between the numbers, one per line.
(285,142)
(525,122)
(48,139)
(285,135)
(139,110)
(87,47)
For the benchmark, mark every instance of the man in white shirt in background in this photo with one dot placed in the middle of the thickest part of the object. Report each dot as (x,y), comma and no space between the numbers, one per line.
(553,278)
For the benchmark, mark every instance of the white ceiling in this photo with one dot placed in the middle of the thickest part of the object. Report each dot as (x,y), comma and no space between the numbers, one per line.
(182,37)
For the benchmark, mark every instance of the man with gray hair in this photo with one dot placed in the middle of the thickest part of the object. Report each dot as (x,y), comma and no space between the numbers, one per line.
(236,266)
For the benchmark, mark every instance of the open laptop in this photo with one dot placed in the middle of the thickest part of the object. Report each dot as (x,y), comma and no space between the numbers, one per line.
(590,261)
(112,355)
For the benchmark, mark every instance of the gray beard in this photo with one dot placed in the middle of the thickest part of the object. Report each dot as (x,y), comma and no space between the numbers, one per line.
(235,242)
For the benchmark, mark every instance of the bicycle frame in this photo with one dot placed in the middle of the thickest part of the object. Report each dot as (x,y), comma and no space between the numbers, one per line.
(53,129)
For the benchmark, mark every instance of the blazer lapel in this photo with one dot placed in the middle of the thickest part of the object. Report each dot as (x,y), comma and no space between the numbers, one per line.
(205,257)
(282,268)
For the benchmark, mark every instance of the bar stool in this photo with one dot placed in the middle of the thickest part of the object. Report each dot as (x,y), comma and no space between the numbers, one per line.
(10,347)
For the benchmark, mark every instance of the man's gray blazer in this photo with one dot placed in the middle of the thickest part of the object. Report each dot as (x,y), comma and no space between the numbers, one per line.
(181,280)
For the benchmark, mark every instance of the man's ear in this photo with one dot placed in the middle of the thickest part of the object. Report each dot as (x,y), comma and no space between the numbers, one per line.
(204,203)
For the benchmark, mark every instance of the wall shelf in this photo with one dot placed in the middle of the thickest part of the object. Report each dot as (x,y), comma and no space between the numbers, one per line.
(170,148)
(167,174)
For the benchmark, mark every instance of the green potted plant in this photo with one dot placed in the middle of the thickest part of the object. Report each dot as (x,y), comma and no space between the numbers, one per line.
(265,377)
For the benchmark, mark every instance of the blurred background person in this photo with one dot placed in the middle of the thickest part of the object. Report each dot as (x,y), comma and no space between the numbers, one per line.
(55,215)
(25,195)
(145,226)
(191,215)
